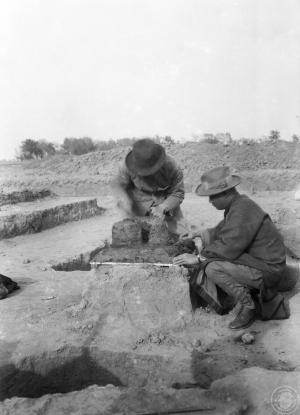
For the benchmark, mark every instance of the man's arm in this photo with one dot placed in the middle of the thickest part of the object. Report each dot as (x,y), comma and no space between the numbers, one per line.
(175,192)
(236,234)
(120,185)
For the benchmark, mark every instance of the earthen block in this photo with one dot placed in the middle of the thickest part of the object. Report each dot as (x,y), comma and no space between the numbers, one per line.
(159,233)
(126,232)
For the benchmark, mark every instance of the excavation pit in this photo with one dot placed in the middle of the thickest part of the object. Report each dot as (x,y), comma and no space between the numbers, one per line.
(121,319)
(145,240)
(127,325)
(121,322)
(59,371)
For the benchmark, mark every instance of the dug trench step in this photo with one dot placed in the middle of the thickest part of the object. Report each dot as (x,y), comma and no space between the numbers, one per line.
(73,368)
(69,246)
(23,196)
(138,240)
(110,400)
(33,217)
(250,391)
(80,262)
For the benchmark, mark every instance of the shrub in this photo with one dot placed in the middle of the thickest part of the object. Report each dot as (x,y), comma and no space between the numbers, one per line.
(47,148)
(210,138)
(78,146)
(30,149)
(274,135)
(34,149)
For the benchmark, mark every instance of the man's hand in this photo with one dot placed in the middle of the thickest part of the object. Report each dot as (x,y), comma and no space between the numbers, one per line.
(158,211)
(186,235)
(199,243)
(190,233)
(186,259)
(125,204)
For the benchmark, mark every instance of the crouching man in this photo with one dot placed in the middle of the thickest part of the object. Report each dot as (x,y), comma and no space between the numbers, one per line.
(150,182)
(243,252)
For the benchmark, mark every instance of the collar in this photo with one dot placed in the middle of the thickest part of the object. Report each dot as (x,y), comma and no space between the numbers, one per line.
(235,197)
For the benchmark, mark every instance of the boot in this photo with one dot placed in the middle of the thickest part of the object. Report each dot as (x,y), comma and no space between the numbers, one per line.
(244,319)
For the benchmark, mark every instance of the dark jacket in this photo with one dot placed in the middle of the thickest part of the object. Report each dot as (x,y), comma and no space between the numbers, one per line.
(247,236)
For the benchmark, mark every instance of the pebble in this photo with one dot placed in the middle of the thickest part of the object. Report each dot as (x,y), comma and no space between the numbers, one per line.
(247,338)
(205,348)
(196,343)
(154,339)
(27,261)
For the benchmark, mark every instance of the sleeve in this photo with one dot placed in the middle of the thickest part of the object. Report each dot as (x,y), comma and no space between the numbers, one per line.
(176,191)
(210,234)
(123,178)
(236,234)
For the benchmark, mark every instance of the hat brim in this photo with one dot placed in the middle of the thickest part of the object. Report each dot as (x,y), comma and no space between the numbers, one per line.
(144,171)
(232,182)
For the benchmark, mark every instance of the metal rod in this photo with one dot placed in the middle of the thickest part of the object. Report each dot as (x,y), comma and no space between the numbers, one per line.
(177,411)
(155,264)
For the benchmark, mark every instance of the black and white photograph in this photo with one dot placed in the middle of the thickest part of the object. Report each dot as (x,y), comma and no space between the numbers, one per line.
(149,207)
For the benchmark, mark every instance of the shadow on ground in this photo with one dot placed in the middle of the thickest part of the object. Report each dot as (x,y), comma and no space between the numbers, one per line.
(76,374)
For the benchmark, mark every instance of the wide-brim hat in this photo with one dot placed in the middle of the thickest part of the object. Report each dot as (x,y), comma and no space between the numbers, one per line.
(146,157)
(216,181)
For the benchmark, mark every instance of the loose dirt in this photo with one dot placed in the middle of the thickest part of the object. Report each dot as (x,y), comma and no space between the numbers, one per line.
(264,166)
(64,331)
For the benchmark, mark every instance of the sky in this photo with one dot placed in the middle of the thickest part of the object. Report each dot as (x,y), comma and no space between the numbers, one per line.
(124,68)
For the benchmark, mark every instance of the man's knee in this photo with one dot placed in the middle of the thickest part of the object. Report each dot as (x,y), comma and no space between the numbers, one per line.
(213,270)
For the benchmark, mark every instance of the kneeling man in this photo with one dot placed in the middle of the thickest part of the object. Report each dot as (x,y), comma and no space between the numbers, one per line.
(244,251)
(151,182)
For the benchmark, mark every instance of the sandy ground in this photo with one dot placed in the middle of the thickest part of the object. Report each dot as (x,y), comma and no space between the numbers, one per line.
(29,314)
(58,315)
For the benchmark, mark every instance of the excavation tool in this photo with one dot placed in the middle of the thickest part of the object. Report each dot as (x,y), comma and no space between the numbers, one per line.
(178,411)
(95,265)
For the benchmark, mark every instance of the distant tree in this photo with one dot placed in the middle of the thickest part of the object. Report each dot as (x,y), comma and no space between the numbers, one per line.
(127,141)
(196,137)
(246,141)
(78,146)
(224,138)
(263,139)
(156,138)
(274,135)
(167,139)
(295,138)
(210,138)
(47,148)
(104,145)
(30,149)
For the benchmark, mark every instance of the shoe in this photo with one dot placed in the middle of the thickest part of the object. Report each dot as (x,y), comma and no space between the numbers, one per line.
(244,319)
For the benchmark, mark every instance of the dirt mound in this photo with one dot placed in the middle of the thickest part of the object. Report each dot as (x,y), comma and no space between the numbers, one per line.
(265,166)
(202,155)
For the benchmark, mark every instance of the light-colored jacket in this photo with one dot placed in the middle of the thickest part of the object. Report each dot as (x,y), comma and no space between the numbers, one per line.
(166,185)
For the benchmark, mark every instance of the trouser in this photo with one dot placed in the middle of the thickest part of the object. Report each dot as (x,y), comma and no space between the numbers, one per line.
(234,279)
